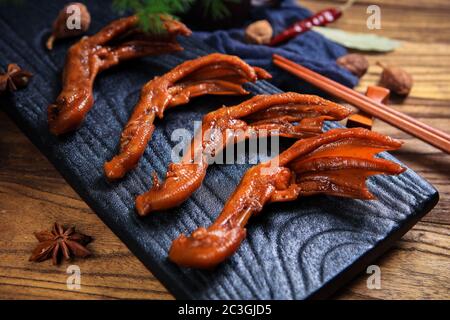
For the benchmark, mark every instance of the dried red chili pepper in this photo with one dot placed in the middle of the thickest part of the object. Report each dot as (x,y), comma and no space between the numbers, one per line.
(321,18)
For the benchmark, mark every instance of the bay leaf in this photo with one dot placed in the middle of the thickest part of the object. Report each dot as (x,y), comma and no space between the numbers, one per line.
(359,41)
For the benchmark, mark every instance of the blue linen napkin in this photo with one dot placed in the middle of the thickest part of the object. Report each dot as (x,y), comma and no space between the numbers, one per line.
(310,49)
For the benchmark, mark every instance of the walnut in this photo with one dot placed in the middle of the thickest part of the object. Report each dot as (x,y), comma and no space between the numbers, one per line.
(396,79)
(259,32)
(73,20)
(355,63)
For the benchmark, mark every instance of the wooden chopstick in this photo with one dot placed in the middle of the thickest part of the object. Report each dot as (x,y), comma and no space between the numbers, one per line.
(433,136)
(361,96)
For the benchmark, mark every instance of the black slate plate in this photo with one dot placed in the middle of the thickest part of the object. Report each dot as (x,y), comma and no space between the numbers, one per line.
(303,249)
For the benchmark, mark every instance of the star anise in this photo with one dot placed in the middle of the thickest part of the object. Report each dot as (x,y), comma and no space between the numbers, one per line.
(14,78)
(60,241)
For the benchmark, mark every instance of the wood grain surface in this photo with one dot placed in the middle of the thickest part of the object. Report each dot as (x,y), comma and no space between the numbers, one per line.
(33,195)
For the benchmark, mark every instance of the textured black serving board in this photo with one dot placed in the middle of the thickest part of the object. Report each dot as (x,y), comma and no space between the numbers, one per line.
(297,250)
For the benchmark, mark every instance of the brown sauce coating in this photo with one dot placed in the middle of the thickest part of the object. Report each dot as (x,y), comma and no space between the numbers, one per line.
(119,41)
(336,163)
(288,114)
(214,74)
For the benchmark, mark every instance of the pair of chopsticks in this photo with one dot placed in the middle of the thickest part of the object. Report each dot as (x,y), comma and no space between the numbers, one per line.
(420,130)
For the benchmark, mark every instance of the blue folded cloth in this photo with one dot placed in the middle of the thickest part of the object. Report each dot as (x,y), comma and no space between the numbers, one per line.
(310,49)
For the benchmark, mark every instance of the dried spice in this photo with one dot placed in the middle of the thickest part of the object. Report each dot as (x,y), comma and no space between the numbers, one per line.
(395,79)
(358,41)
(60,242)
(321,18)
(14,78)
(259,32)
(73,20)
(355,63)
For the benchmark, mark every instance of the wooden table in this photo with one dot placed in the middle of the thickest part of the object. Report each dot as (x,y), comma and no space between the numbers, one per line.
(33,195)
